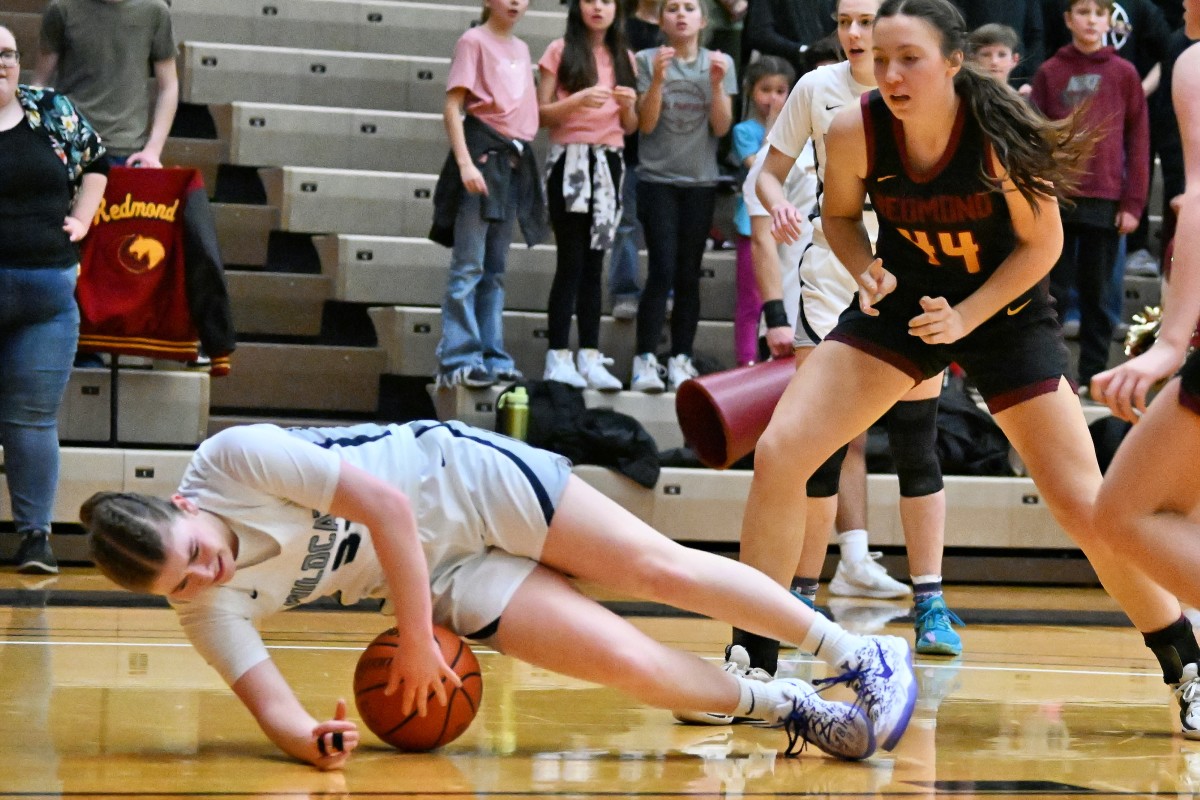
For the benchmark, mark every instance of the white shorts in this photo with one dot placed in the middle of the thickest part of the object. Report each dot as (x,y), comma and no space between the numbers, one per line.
(826,289)
(497,495)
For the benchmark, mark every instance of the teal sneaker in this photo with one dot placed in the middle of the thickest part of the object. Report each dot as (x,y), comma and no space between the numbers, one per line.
(935,637)
(808,601)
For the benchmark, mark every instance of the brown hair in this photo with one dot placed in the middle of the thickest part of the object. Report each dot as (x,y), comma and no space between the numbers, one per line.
(991,34)
(1103,5)
(1044,158)
(126,533)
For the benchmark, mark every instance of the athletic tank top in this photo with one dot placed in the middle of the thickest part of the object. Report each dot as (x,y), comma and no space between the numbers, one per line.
(944,232)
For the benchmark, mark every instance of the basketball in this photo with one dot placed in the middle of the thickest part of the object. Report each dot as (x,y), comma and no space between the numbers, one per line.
(441,724)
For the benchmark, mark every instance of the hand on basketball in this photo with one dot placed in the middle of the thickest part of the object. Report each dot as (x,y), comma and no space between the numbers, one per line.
(875,283)
(940,324)
(787,224)
(1124,388)
(334,739)
(418,672)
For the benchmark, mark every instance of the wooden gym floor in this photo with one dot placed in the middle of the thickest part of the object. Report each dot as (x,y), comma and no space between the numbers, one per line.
(101,696)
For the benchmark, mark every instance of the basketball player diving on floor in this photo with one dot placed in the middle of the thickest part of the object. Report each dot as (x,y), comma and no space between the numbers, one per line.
(476,532)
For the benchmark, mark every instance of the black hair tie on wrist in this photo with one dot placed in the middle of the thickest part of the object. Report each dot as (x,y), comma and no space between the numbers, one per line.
(775,314)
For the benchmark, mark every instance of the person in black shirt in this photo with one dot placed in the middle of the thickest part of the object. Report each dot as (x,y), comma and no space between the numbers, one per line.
(52,177)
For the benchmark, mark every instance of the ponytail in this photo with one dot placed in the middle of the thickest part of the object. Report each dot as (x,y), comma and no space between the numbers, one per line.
(1043,158)
(126,536)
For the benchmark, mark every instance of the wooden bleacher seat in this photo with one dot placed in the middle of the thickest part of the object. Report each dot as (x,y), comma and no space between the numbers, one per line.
(411,29)
(277,303)
(707,506)
(275,135)
(155,406)
(398,270)
(409,335)
(309,377)
(225,73)
(314,200)
(242,232)
(86,470)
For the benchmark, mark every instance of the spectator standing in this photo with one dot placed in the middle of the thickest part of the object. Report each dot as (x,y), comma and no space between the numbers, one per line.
(1023,16)
(994,49)
(684,107)
(768,81)
(1112,193)
(786,28)
(641,33)
(52,176)
(490,177)
(587,99)
(99,53)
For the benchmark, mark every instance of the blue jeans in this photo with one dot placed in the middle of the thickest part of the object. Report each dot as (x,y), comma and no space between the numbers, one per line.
(473,308)
(39,328)
(623,266)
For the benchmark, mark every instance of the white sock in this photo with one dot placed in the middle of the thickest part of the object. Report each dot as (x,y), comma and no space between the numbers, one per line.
(830,642)
(853,544)
(756,701)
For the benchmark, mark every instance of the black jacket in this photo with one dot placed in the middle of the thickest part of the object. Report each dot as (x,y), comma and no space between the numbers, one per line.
(1024,17)
(782,27)
(498,173)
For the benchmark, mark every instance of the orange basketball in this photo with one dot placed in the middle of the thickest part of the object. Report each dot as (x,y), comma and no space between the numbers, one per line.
(442,723)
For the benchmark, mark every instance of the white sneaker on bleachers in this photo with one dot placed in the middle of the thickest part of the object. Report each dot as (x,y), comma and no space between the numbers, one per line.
(679,370)
(560,367)
(647,375)
(592,365)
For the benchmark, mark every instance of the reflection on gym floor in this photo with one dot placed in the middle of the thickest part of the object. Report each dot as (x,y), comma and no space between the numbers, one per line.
(101,699)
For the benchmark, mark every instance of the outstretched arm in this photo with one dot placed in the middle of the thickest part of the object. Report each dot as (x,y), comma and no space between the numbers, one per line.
(325,745)
(1124,388)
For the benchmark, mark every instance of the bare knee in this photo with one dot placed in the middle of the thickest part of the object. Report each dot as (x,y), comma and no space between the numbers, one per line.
(781,454)
(661,577)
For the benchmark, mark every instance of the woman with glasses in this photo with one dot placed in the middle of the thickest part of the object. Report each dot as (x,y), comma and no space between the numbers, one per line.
(52,175)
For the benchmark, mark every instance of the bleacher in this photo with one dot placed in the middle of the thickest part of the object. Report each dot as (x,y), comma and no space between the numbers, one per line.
(317,125)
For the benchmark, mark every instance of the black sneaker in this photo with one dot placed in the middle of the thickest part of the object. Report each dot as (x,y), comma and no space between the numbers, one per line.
(34,555)
(512,375)
(478,378)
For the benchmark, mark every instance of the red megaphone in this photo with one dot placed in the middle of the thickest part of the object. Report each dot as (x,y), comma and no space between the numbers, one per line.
(723,414)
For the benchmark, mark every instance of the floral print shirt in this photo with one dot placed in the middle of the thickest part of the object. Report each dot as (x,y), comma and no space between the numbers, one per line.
(74,140)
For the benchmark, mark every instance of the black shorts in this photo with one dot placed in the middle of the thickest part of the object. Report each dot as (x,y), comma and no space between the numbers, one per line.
(1009,360)
(1189,383)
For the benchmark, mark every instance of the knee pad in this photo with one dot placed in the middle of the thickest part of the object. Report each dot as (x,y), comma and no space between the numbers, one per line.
(824,482)
(912,434)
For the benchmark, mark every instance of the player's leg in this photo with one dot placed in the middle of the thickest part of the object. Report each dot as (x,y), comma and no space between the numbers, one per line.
(912,432)
(1051,436)
(549,624)
(1147,512)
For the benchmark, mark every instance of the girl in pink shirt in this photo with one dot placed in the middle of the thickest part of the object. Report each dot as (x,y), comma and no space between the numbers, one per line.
(491,85)
(586,98)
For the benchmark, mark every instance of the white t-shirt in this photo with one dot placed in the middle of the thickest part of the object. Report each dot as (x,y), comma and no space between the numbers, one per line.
(809,111)
(800,189)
